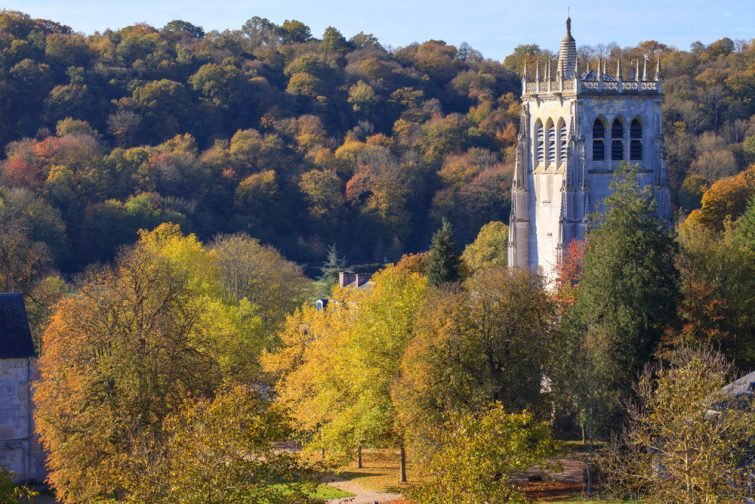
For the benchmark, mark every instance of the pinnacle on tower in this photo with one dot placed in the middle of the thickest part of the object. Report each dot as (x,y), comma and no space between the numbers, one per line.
(567,53)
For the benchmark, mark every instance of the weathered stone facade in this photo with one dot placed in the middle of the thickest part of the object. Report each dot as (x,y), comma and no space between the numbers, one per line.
(575,129)
(20,451)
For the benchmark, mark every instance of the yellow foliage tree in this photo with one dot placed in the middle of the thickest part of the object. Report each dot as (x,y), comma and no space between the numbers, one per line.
(337,368)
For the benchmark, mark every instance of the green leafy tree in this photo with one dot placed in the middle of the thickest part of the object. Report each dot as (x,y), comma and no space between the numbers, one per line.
(474,346)
(489,250)
(10,493)
(688,439)
(262,32)
(165,106)
(223,451)
(443,263)
(333,41)
(184,28)
(362,97)
(717,278)
(294,31)
(480,452)
(626,298)
(261,275)
(744,232)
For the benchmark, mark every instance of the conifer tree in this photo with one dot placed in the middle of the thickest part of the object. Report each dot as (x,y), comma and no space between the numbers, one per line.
(329,271)
(443,265)
(625,300)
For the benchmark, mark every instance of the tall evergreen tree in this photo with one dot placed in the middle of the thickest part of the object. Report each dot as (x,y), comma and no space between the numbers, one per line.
(627,296)
(630,285)
(329,271)
(443,265)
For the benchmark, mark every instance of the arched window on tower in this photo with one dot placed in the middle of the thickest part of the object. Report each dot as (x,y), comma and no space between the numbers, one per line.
(540,139)
(635,145)
(551,143)
(598,147)
(617,141)
(562,141)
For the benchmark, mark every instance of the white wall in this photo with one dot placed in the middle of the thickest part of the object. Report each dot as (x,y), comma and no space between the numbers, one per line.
(19,450)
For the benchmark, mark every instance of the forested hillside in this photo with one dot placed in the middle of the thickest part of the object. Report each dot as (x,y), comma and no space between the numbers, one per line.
(207,171)
(299,140)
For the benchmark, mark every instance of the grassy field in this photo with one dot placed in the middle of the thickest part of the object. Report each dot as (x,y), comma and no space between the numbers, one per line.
(380,472)
(325,492)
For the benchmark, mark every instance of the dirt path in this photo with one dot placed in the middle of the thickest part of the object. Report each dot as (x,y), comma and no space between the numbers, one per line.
(362,495)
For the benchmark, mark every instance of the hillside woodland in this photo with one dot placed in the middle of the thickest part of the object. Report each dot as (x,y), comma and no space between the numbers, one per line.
(167,196)
(299,141)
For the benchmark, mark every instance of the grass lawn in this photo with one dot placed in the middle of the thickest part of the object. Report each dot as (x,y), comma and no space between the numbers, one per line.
(588,501)
(326,492)
(321,492)
(379,471)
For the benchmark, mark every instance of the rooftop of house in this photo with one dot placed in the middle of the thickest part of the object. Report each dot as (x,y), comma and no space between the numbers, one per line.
(743,386)
(15,336)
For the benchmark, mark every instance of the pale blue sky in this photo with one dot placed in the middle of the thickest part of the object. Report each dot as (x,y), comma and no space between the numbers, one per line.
(492,27)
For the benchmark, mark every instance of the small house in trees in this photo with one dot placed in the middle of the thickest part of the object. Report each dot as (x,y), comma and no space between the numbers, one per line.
(20,452)
(348,280)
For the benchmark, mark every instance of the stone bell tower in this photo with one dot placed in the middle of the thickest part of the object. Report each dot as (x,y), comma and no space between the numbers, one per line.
(576,127)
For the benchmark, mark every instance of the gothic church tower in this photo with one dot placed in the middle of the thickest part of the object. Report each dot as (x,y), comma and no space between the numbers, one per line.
(576,127)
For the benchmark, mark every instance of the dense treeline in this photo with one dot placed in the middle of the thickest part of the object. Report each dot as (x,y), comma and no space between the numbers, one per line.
(300,141)
(439,357)
(178,157)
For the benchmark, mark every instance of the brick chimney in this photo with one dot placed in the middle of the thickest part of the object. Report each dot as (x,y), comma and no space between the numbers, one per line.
(346,278)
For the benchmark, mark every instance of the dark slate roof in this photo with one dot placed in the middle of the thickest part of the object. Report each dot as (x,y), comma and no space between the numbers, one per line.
(592,75)
(743,386)
(15,336)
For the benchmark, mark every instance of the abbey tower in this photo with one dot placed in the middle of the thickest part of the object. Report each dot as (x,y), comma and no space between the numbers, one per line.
(576,127)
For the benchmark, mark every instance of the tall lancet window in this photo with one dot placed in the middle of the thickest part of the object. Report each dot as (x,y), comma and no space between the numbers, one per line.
(617,141)
(562,141)
(598,147)
(551,143)
(540,139)
(635,145)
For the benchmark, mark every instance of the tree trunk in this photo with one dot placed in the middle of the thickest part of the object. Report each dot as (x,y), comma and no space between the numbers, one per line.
(590,448)
(322,453)
(402,465)
(359,457)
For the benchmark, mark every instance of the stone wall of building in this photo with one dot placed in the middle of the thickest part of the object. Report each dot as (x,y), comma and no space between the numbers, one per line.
(558,182)
(20,451)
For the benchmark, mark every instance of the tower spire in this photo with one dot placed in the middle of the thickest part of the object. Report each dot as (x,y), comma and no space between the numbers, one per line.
(618,70)
(567,53)
(658,74)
